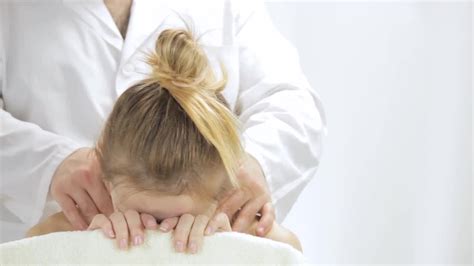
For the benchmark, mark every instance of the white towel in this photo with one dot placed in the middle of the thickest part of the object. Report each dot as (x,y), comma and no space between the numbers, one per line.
(93,247)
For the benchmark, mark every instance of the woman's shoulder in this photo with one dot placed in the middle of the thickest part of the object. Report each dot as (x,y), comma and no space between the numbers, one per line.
(54,223)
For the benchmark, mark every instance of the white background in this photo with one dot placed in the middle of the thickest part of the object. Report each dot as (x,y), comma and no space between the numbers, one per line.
(395,180)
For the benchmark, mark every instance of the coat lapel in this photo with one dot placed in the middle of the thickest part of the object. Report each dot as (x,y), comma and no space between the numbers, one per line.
(146,17)
(95,14)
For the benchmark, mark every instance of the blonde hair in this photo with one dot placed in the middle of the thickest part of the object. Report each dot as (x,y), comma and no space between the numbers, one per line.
(169,131)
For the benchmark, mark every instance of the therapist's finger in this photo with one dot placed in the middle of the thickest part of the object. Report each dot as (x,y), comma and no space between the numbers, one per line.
(248,214)
(266,221)
(96,187)
(72,213)
(100,196)
(85,203)
(231,205)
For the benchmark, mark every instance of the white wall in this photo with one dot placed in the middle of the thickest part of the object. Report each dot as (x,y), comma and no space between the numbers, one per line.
(395,181)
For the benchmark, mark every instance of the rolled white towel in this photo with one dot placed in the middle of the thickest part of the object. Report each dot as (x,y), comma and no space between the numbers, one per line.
(93,247)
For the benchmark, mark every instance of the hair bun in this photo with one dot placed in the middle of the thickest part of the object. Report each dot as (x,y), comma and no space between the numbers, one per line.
(180,62)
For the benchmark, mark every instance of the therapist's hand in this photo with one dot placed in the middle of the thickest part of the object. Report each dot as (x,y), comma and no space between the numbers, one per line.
(253,198)
(77,182)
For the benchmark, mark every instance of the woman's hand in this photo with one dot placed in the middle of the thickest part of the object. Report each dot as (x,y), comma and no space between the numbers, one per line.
(124,226)
(190,230)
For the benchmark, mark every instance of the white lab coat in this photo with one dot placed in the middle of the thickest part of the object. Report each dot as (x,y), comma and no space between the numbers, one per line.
(63,63)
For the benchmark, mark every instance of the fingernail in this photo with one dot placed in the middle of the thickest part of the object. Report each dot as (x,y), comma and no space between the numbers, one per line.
(179,246)
(151,224)
(123,244)
(260,230)
(164,227)
(111,233)
(137,240)
(208,230)
(192,247)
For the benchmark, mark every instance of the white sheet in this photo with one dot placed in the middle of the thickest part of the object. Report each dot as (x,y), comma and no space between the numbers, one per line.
(94,247)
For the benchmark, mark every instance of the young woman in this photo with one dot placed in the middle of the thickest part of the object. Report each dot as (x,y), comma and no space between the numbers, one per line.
(169,151)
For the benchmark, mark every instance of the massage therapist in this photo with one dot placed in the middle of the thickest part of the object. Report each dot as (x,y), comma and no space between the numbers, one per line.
(64,63)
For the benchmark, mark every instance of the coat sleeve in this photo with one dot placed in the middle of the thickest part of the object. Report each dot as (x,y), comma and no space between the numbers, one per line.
(282,117)
(29,156)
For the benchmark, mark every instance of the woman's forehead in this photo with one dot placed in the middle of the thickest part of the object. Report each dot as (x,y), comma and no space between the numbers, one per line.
(156,204)
(163,205)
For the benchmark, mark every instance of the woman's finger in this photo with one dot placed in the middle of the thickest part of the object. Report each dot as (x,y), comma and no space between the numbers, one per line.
(169,223)
(181,233)
(220,222)
(248,214)
(121,229)
(197,233)
(149,221)
(71,212)
(266,221)
(135,227)
(101,221)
